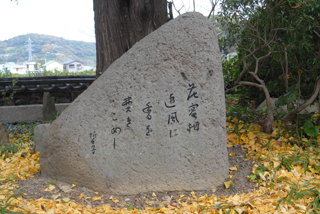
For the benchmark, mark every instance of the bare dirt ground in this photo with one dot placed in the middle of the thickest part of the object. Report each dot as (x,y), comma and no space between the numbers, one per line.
(33,188)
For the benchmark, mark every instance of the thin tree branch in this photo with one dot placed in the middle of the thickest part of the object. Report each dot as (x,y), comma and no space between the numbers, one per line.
(213,6)
(276,29)
(257,62)
(287,118)
(250,84)
(194,6)
(245,68)
(316,33)
(232,88)
(310,69)
(178,11)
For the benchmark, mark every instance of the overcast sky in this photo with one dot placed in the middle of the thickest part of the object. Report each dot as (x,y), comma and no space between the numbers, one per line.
(70,19)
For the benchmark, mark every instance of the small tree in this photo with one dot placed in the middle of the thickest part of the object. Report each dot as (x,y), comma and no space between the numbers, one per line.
(274,38)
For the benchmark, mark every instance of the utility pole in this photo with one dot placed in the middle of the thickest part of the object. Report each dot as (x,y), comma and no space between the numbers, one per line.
(29,49)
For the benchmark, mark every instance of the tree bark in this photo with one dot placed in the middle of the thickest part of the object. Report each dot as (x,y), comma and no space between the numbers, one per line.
(119,24)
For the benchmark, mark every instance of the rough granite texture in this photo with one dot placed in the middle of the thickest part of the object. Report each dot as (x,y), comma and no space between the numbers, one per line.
(4,137)
(49,110)
(166,144)
(17,114)
(39,131)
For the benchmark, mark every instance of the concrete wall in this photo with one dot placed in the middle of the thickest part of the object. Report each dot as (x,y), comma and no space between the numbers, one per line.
(54,65)
(16,114)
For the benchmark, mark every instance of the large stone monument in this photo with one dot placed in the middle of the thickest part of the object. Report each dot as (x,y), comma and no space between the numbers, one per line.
(154,121)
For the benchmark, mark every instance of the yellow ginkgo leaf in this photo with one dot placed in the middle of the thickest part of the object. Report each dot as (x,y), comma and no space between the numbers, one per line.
(66,200)
(50,188)
(96,198)
(227,184)
(82,196)
(233,168)
(231,154)
(55,197)
(232,212)
(262,176)
(229,145)
(96,193)
(73,185)
(276,163)
(251,136)
(115,200)
(163,209)
(181,196)
(239,210)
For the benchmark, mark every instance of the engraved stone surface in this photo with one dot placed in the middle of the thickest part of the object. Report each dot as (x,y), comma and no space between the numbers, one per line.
(154,121)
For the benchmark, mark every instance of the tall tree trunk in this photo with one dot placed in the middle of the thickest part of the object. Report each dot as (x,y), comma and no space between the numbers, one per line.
(119,24)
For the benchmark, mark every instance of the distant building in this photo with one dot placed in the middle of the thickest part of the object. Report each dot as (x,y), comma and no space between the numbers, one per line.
(53,65)
(73,66)
(18,69)
(8,65)
(30,66)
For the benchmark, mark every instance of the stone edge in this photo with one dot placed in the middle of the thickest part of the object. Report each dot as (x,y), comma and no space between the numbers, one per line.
(17,114)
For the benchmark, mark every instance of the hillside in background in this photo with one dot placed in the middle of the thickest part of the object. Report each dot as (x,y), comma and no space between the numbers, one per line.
(47,47)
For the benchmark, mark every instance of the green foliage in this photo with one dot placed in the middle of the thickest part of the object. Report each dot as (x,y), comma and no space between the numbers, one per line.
(259,170)
(54,73)
(23,129)
(6,203)
(230,73)
(291,26)
(297,192)
(310,129)
(51,182)
(5,72)
(290,97)
(7,99)
(244,114)
(130,207)
(308,124)
(24,132)
(9,149)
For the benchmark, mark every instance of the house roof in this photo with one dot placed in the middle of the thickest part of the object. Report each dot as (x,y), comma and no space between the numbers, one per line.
(19,66)
(30,63)
(48,63)
(70,61)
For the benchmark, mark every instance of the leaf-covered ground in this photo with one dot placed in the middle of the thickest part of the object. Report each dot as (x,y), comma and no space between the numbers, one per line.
(285,174)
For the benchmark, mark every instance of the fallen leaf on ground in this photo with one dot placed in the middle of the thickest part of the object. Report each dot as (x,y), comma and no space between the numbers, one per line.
(227,184)
(50,188)
(233,168)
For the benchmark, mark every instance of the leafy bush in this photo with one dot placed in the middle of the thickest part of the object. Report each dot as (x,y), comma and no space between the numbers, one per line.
(54,73)
(7,99)
(22,132)
(6,203)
